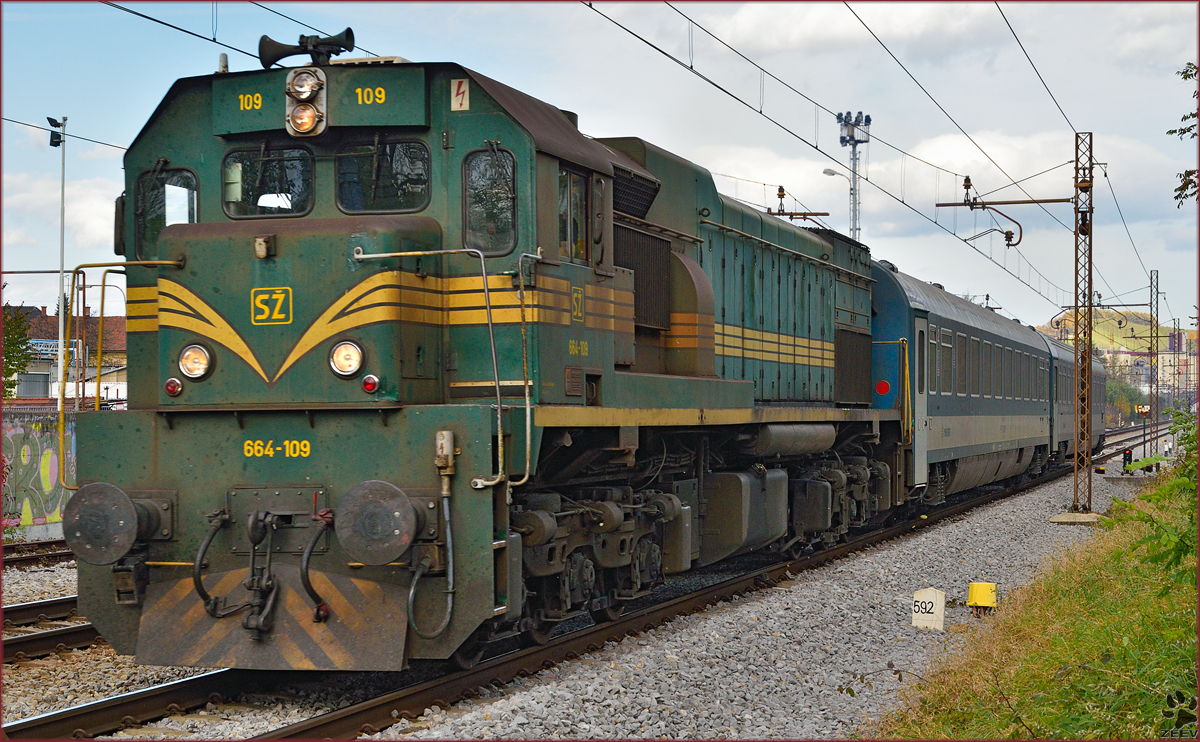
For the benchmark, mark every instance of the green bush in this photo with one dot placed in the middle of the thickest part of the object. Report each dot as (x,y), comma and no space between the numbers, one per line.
(1170,544)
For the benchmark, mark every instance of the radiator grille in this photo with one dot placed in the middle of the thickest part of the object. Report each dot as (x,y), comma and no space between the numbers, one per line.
(852,367)
(649,257)
(632,193)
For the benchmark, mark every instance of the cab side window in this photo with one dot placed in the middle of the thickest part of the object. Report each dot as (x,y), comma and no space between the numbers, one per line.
(572,216)
(489,178)
(163,197)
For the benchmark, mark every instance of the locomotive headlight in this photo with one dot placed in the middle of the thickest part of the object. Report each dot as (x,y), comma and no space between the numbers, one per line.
(306,103)
(304,118)
(194,361)
(346,358)
(304,86)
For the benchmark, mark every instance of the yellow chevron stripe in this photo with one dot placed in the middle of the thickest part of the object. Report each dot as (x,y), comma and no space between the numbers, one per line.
(342,316)
(179,307)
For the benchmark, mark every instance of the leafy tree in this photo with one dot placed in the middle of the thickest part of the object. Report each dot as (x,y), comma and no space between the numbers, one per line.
(18,348)
(1186,191)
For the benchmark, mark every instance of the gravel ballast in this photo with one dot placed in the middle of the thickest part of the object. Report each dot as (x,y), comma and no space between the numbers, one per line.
(39,583)
(770,665)
(765,666)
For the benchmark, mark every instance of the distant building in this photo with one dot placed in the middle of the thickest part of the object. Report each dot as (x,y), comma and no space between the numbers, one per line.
(41,378)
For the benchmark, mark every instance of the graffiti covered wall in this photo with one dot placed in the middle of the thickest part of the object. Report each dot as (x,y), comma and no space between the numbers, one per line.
(33,494)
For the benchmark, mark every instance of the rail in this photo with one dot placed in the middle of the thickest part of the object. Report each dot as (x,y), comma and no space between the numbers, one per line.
(369,717)
(108,715)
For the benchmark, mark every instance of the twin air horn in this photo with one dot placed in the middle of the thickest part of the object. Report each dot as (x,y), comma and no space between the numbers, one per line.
(270,51)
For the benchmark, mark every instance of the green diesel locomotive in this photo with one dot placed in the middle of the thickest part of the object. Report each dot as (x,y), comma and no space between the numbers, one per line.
(422,367)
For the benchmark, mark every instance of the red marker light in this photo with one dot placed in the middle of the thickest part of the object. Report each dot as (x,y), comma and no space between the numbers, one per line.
(882,387)
(173,387)
(370,383)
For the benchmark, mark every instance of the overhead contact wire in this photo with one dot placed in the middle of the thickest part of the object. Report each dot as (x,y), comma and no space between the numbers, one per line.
(831,157)
(178,28)
(1035,69)
(951,118)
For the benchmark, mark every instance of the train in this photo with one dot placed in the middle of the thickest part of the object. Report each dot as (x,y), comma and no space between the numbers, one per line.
(416,367)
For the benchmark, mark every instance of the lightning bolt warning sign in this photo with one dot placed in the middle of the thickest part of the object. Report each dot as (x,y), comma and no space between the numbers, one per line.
(460,95)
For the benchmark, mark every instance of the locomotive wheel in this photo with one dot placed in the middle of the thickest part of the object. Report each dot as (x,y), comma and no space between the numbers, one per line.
(611,613)
(468,654)
(539,635)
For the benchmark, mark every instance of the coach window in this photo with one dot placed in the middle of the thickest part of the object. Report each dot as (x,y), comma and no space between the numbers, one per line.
(164,197)
(385,176)
(265,182)
(572,216)
(1008,373)
(489,181)
(975,367)
(997,372)
(987,369)
(920,361)
(947,384)
(962,363)
(933,364)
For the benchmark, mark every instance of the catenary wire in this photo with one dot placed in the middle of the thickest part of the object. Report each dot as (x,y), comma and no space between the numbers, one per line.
(774,77)
(769,185)
(73,136)
(1028,177)
(762,70)
(968,136)
(833,159)
(184,30)
(1035,69)
(943,110)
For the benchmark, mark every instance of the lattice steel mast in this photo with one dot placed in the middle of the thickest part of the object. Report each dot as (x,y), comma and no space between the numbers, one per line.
(1082,500)
(1154,375)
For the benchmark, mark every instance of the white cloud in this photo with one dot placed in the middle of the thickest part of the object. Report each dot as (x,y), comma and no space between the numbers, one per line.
(32,202)
(101,152)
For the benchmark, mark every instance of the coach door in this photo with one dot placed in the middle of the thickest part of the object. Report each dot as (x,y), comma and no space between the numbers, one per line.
(920,445)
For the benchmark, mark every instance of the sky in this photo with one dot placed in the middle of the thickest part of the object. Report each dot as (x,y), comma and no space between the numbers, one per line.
(1109,66)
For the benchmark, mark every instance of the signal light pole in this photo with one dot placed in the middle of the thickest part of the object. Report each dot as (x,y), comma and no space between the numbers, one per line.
(855,131)
(58,139)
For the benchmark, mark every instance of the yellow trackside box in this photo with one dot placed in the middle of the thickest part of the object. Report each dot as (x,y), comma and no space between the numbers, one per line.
(981,595)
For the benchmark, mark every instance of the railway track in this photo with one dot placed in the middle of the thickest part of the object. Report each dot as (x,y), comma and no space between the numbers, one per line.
(37,553)
(38,640)
(370,716)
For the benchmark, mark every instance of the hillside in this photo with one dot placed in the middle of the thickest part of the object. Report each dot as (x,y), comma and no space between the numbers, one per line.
(1107,335)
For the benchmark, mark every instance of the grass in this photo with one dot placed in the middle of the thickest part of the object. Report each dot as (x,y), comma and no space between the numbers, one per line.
(1090,649)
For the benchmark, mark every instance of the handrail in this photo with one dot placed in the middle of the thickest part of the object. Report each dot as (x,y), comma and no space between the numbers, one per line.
(760,240)
(62,379)
(100,331)
(478,482)
(907,423)
(525,368)
(621,216)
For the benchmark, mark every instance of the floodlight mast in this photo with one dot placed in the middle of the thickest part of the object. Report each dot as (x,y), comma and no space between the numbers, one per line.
(855,131)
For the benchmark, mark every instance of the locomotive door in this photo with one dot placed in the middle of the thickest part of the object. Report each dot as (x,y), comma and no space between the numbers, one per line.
(920,446)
